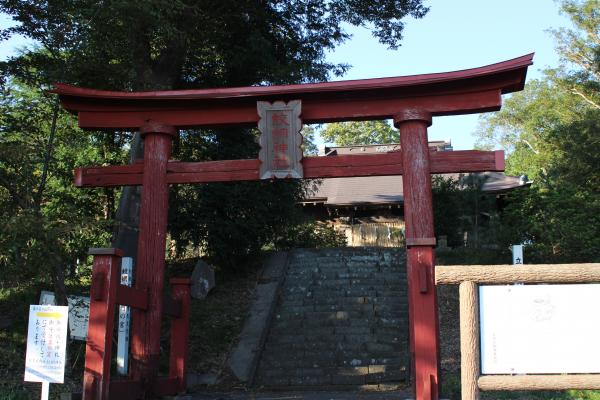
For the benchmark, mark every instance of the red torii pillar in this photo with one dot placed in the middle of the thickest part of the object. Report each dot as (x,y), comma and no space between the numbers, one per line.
(145,330)
(420,241)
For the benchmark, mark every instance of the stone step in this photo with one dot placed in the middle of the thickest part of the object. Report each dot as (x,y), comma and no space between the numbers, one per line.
(341,319)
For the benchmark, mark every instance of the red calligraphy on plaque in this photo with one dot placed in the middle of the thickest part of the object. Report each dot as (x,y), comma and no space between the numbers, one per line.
(280,161)
(280,148)
(279,119)
(280,132)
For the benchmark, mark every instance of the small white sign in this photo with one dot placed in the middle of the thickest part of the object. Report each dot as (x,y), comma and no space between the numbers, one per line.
(46,344)
(539,329)
(79,313)
(517,251)
(124,319)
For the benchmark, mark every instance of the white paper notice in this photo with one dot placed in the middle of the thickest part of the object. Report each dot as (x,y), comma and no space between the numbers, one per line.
(79,313)
(46,344)
(539,329)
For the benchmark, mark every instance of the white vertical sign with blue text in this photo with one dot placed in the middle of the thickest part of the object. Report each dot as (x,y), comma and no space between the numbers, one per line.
(124,319)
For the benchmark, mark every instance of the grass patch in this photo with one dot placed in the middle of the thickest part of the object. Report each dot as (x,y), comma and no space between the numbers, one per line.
(216,322)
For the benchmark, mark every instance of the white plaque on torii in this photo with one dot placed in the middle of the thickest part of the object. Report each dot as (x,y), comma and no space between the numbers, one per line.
(280,139)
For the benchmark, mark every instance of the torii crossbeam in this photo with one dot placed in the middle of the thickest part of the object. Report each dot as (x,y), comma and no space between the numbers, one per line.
(410,101)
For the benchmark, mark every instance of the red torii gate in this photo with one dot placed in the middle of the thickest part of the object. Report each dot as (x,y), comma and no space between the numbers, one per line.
(410,101)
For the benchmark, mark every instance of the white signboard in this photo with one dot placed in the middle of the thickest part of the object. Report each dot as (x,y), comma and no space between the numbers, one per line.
(124,318)
(46,344)
(517,251)
(79,313)
(539,329)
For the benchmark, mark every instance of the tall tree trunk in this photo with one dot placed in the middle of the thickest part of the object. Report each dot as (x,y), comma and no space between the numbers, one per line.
(125,234)
(60,291)
(47,157)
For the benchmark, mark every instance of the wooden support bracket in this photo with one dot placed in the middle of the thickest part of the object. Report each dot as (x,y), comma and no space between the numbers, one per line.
(132,297)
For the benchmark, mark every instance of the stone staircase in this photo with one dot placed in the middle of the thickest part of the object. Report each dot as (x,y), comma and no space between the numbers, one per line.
(341,319)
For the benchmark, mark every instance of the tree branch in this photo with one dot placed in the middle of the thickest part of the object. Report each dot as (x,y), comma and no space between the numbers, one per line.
(47,156)
(530,146)
(574,90)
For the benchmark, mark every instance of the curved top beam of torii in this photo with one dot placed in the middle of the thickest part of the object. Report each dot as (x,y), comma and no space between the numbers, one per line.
(449,93)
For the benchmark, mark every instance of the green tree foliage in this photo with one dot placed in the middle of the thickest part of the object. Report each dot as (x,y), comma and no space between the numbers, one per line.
(175,44)
(551,133)
(150,45)
(47,224)
(360,132)
(580,51)
(459,206)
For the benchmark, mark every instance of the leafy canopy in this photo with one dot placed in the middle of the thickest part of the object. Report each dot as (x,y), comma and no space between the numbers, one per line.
(153,45)
(177,44)
(550,131)
(360,132)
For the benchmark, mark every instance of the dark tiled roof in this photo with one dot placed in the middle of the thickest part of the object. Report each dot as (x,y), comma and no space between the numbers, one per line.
(382,190)
(379,190)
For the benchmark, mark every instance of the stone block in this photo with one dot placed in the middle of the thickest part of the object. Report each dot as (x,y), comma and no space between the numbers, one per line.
(312,380)
(398,314)
(356,300)
(203,280)
(357,339)
(275,381)
(362,322)
(389,361)
(328,308)
(380,348)
(390,339)
(350,376)
(360,291)
(390,322)
(382,373)
(274,267)
(353,330)
(194,379)
(286,339)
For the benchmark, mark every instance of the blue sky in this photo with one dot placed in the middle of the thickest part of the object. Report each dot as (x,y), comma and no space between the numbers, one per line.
(454,35)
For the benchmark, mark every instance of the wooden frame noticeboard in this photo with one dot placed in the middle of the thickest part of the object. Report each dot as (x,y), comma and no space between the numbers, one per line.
(469,278)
